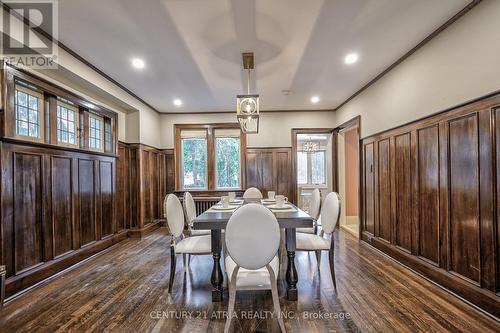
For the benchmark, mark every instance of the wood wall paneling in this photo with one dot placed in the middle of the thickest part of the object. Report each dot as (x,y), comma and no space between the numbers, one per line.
(270,169)
(106,175)
(444,178)
(403,189)
(86,200)
(384,191)
(369,186)
(56,205)
(464,197)
(62,204)
(428,193)
(28,215)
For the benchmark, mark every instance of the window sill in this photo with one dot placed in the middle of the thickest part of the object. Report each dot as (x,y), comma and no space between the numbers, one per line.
(53,146)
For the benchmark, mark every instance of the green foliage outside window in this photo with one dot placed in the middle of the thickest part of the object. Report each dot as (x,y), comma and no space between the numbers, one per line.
(194,159)
(227,156)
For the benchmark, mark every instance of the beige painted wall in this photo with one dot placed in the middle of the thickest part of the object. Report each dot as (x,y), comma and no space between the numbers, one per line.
(274,127)
(460,64)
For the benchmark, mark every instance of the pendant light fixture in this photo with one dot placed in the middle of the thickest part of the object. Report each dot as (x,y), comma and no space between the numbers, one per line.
(247,106)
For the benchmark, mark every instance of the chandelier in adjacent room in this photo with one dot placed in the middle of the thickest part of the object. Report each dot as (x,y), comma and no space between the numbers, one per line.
(310,147)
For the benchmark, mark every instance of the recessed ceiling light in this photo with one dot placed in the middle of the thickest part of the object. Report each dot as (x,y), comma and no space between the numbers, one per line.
(351,58)
(314,99)
(177,102)
(138,63)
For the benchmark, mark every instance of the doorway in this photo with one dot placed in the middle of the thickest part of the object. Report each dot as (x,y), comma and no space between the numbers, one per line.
(313,154)
(348,168)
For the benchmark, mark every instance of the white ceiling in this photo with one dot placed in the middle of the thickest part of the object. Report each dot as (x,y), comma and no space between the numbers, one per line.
(192,48)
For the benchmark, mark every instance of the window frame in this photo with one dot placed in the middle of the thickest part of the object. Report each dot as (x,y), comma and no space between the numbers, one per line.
(75,109)
(211,156)
(12,77)
(182,167)
(41,112)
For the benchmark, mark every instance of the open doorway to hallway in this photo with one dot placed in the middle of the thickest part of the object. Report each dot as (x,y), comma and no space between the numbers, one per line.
(348,165)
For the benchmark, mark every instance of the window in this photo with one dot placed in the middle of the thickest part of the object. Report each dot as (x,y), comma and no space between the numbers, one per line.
(227,158)
(194,159)
(38,111)
(311,168)
(67,124)
(96,133)
(301,167)
(209,157)
(29,113)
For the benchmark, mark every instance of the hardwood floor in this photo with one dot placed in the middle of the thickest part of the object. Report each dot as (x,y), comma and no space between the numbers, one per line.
(125,290)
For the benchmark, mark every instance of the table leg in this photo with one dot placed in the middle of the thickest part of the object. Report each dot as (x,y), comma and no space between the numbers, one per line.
(217,276)
(291,272)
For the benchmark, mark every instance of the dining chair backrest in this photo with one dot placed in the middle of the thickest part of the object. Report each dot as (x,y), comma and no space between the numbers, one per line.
(252,193)
(315,204)
(190,207)
(330,212)
(174,215)
(252,236)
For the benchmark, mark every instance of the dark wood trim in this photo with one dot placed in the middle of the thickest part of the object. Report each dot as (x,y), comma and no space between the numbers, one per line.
(261,111)
(210,127)
(427,39)
(57,147)
(40,273)
(140,233)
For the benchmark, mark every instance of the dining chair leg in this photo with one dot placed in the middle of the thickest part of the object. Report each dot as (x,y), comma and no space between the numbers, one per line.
(185,261)
(232,299)
(331,253)
(276,299)
(318,258)
(172,267)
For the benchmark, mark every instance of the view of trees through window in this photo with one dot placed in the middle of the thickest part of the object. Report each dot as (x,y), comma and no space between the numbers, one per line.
(194,163)
(311,168)
(227,152)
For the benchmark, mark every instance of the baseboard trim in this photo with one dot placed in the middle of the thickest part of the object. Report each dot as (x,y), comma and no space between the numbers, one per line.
(140,233)
(27,279)
(486,301)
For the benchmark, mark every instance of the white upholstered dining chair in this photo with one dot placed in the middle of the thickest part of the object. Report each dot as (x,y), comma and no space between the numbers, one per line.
(252,241)
(252,193)
(314,209)
(190,209)
(330,214)
(198,245)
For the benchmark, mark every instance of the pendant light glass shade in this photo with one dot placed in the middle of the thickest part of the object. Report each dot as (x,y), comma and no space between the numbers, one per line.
(247,112)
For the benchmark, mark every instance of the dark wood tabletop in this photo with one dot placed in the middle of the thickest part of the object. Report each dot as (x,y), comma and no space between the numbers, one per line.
(212,220)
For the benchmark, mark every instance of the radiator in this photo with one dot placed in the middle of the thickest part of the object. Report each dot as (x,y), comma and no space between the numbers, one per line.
(203,204)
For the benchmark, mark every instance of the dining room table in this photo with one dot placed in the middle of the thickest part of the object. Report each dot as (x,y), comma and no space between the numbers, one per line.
(289,219)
